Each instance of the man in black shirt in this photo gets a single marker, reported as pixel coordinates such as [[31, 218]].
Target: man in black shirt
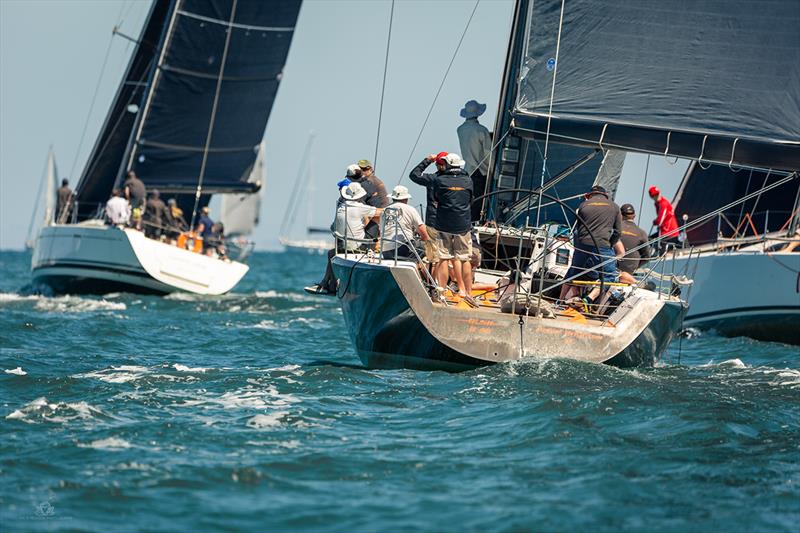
[[135, 191], [632, 236], [452, 195], [156, 215], [597, 229], [426, 180], [63, 201]]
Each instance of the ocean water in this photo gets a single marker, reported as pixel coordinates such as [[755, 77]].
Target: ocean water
[[252, 412]]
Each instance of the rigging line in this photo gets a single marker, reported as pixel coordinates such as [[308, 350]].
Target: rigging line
[[693, 223], [383, 86], [213, 116], [94, 97], [550, 110], [433, 104], [39, 196], [644, 184], [290, 214]]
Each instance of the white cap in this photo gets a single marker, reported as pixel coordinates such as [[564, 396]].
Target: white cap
[[454, 160], [354, 191], [400, 193]]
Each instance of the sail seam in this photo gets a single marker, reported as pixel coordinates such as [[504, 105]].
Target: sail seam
[[234, 24], [187, 148], [198, 74]]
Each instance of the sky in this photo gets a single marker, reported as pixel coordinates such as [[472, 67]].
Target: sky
[[60, 67]]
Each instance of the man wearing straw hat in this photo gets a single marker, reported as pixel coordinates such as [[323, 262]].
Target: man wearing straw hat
[[397, 235], [476, 143]]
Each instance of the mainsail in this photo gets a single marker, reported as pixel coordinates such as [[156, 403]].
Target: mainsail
[[240, 212], [196, 98], [710, 80]]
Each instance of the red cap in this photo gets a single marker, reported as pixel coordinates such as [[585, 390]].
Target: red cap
[[653, 191], [440, 158]]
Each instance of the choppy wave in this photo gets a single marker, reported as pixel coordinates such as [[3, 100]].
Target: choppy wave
[[18, 371], [111, 444], [40, 410]]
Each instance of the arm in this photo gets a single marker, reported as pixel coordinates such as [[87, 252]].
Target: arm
[[619, 249], [381, 192], [418, 177], [423, 233]]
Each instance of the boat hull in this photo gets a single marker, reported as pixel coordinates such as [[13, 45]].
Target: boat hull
[[98, 259], [387, 333], [745, 293]]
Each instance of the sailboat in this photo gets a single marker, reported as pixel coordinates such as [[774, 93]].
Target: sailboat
[[302, 201], [188, 118], [46, 196], [594, 76], [748, 283], [240, 213]]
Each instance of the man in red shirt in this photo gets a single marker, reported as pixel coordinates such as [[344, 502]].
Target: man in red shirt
[[665, 218]]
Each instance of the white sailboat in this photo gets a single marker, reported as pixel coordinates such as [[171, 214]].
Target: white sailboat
[[302, 200], [47, 187], [188, 119], [746, 282]]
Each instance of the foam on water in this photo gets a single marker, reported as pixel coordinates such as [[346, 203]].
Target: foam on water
[[267, 421], [40, 410], [110, 444], [16, 371]]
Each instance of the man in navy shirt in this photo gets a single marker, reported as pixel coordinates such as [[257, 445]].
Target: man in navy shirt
[[203, 229]]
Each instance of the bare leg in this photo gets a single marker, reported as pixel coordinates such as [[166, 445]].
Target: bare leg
[[466, 275], [442, 273], [459, 277], [624, 277]]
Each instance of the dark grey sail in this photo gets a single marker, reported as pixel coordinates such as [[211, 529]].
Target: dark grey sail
[[205, 91], [714, 80], [107, 155], [185, 116], [710, 80], [704, 190]]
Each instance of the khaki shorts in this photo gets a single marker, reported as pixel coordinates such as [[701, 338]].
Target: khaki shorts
[[455, 246], [431, 249]]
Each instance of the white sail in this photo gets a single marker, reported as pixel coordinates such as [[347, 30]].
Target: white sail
[[610, 171], [240, 212], [48, 186], [51, 186]]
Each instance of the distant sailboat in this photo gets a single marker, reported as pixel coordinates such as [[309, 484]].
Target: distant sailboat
[[301, 200], [47, 186], [188, 119]]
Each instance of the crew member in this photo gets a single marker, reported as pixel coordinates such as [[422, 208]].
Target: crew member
[[397, 237], [156, 215], [598, 218], [376, 193], [135, 191], [63, 201], [476, 143], [632, 237], [118, 210], [665, 218], [204, 229], [452, 192], [426, 180]]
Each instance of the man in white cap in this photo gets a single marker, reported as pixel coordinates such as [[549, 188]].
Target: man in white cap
[[353, 216], [476, 143], [398, 234]]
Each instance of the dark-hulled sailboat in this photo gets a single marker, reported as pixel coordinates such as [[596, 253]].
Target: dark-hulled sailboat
[[188, 119], [708, 81]]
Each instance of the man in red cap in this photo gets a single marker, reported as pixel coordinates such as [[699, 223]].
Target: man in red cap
[[426, 180], [665, 217]]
